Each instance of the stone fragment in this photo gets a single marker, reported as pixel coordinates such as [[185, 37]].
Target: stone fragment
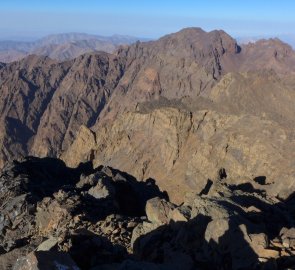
[[102, 190], [48, 244], [52, 216]]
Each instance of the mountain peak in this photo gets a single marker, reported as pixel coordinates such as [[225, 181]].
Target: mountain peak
[[199, 39], [272, 48], [271, 43]]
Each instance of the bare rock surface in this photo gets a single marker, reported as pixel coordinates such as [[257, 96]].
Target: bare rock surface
[[53, 218], [48, 207], [182, 149]]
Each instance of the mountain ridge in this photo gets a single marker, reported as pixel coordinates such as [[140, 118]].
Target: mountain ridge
[[63, 46], [202, 71]]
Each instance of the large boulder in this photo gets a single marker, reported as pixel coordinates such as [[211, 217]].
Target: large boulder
[[158, 210]]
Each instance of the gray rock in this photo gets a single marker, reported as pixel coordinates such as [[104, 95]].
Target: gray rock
[[158, 210], [103, 189], [48, 245]]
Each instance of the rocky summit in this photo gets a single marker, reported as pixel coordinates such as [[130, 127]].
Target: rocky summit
[[100, 218], [176, 153]]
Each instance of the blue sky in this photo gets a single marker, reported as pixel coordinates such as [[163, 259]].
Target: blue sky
[[145, 18]]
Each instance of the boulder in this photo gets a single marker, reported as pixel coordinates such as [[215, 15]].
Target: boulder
[[51, 217], [158, 210], [7, 260], [49, 244], [288, 237]]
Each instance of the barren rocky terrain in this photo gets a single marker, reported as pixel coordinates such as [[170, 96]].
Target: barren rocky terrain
[[155, 156]]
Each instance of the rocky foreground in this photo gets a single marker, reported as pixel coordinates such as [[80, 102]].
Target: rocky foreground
[[54, 217]]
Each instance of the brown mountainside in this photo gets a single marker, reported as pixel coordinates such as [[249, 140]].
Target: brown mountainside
[[177, 110], [78, 100]]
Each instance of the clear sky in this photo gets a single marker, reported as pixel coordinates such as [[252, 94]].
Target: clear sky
[[145, 18]]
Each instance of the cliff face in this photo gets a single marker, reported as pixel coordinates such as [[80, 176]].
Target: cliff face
[[43, 102], [186, 63], [78, 101], [26, 89], [182, 150]]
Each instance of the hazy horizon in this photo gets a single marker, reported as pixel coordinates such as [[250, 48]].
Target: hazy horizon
[[33, 19], [289, 39]]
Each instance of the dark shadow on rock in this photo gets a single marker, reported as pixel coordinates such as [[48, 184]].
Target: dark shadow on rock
[[41, 177], [184, 236], [45, 260], [187, 240], [17, 131], [56, 199], [206, 189], [89, 250], [273, 217], [261, 180], [32, 179], [222, 174], [247, 187], [190, 245], [132, 195], [206, 249]]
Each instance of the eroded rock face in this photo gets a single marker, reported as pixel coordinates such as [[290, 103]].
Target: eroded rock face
[[182, 150], [44, 103], [240, 121]]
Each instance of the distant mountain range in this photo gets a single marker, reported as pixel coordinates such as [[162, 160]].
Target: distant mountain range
[[62, 46], [290, 39]]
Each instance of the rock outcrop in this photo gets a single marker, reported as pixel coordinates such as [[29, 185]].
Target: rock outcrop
[[182, 149]]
